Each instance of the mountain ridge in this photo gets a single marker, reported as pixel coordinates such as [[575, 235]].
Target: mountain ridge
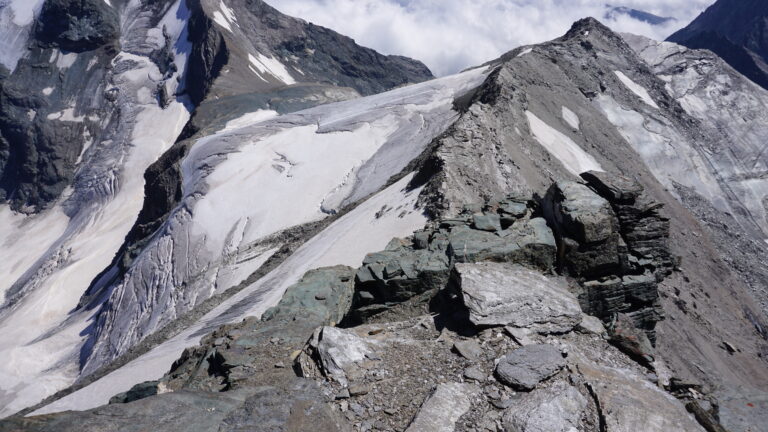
[[512, 162]]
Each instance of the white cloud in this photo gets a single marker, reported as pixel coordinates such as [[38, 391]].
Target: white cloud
[[450, 35]]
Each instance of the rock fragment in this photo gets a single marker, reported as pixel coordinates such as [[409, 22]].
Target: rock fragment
[[442, 409], [469, 349], [631, 340], [524, 368]]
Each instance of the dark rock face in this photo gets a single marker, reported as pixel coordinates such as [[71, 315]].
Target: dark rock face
[[737, 31], [39, 148], [77, 25], [138, 392], [363, 69], [614, 240], [209, 53], [328, 57]]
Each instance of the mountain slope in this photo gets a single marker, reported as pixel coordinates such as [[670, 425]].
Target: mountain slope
[[589, 101], [736, 31], [87, 106]]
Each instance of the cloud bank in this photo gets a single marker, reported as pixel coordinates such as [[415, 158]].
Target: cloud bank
[[451, 35]]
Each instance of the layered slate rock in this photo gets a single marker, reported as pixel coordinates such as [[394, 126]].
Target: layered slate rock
[[586, 228], [614, 240], [502, 231], [524, 368], [511, 295], [643, 227]]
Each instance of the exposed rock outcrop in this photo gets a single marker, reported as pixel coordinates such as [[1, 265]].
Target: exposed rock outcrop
[[512, 295], [78, 25], [506, 230], [612, 237]]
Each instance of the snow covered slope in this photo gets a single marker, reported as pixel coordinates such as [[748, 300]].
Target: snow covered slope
[[16, 19], [53, 256], [733, 109], [242, 188], [346, 241], [249, 200], [96, 95]]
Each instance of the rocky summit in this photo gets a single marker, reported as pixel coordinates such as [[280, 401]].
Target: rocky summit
[[217, 217]]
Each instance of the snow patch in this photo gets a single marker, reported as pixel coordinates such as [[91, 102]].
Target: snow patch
[[24, 11], [225, 16], [573, 157], [47, 91], [271, 66], [525, 51], [67, 115], [317, 165], [571, 118], [249, 119], [65, 61], [636, 88]]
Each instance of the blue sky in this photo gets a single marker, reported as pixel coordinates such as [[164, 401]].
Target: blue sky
[[450, 35]]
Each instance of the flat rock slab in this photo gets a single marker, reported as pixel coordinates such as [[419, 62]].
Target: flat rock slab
[[444, 407], [524, 368], [469, 349], [487, 222], [559, 408], [498, 294]]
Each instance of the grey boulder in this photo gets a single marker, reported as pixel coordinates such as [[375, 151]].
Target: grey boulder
[[498, 294], [559, 408], [524, 368]]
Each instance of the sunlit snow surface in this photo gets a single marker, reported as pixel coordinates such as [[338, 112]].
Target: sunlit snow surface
[[64, 248], [571, 118], [346, 241], [636, 88], [573, 157], [242, 187]]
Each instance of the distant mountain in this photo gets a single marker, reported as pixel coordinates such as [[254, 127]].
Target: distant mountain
[[616, 11], [737, 31]]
